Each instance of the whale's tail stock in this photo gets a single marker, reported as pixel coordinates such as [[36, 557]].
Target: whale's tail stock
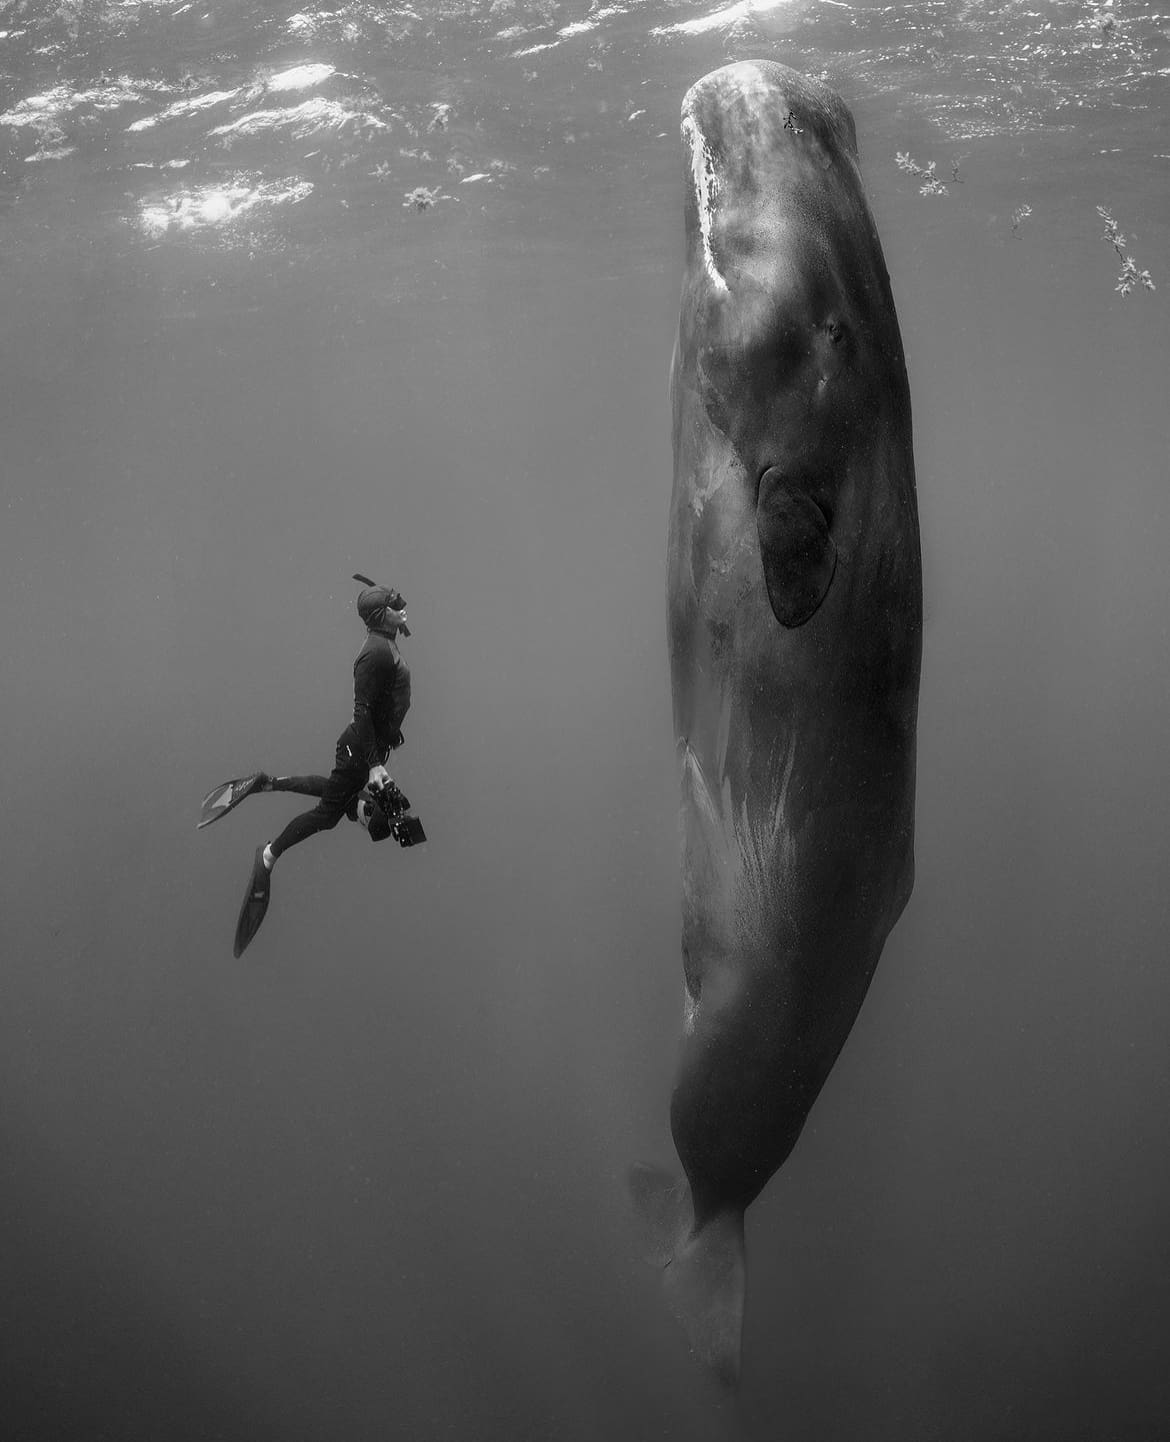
[[703, 1267]]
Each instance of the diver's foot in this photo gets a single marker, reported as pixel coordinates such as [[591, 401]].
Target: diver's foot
[[255, 905]]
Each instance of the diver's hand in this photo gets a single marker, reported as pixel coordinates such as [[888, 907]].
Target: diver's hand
[[379, 776]]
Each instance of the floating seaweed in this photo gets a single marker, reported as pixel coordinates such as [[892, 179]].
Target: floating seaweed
[[931, 185], [1130, 275], [420, 198]]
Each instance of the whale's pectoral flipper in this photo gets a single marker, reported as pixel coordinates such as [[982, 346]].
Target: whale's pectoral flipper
[[797, 549], [704, 1267]]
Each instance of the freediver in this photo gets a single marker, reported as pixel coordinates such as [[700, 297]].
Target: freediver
[[381, 699]]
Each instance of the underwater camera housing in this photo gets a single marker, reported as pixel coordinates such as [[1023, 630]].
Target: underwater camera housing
[[389, 816], [408, 831]]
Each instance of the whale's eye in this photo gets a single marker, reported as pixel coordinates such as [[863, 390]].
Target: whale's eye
[[835, 331]]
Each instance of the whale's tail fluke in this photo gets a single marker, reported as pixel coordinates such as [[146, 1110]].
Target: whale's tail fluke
[[704, 1267]]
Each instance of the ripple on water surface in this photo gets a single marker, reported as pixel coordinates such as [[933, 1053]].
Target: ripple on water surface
[[361, 104]]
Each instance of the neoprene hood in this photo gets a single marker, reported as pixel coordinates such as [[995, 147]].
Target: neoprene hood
[[374, 601]]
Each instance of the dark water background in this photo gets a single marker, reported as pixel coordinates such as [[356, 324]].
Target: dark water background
[[367, 1183]]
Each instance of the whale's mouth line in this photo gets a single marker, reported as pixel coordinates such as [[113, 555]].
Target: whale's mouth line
[[706, 183]]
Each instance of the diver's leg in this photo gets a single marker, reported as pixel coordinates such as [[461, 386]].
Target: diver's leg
[[301, 785], [335, 792], [346, 780], [339, 792]]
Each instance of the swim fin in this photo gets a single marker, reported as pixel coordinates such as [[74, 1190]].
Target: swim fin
[[255, 905], [227, 796]]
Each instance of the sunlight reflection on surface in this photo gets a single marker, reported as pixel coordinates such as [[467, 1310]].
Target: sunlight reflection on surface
[[188, 210]]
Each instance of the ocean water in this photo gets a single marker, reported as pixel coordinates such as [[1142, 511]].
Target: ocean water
[[367, 1183]]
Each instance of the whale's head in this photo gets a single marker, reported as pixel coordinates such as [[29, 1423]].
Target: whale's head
[[788, 341]]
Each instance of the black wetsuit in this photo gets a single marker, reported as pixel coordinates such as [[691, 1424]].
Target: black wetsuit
[[381, 699]]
